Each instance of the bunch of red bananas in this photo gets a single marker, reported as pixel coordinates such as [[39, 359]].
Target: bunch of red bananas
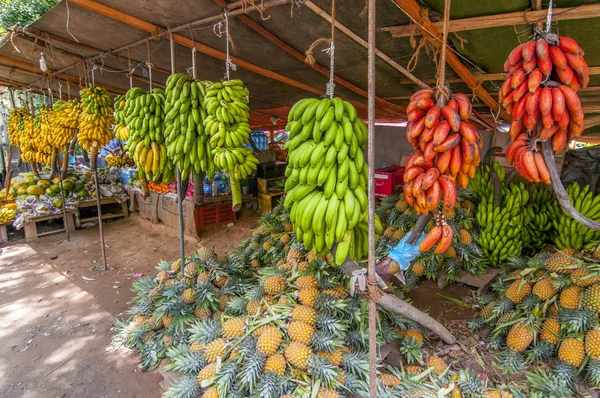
[[447, 149], [540, 95], [441, 235]]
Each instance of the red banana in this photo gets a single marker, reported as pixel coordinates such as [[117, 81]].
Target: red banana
[[518, 78], [441, 132], [530, 65], [451, 141], [445, 240], [464, 106], [519, 109], [516, 127], [570, 46], [415, 128], [559, 140], [548, 132], [425, 104], [408, 194], [558, 103], [418, 185], [548, 120], [532, 101], [452, 117], [431, 239], [542, 168], [468, 133], [433, 196], [427, 134], [545, 66], [443, 161], [453, 104], [519, 92], [516, 55], [415, 115], [541, 49], [448, 192], [528, 51], [455, 161], [558, 57], [529, 165], [534, 80], [432, 116], [429, 177], [571, 99], [429, 151], [566, 75], [506, 86], [424, 93], [412, 173], [546, 100], [564, 120]]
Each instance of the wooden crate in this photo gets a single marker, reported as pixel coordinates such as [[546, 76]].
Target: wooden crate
[[106, 215], [30, 226], [265, 185], [266, 202]]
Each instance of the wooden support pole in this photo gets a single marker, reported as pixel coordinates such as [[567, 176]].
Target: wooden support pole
[[508, 19], [415, 12]]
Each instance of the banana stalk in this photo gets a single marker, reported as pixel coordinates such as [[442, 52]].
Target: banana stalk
[[236, 194]]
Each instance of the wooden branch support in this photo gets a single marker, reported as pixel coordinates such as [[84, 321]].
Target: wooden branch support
[[559, 189]]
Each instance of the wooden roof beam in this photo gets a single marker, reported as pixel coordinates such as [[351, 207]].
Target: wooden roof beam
[[207, 50], [30, 67], [301, 57], [508, 19], [414, 11]]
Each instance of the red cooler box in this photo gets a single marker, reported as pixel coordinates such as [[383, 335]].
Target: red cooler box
[[387, 179]]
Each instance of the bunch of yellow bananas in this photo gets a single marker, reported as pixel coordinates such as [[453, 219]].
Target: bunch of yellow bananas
[[121, 129], [64, 122], [6, 215], [16, 125], [120, 160], [96, 118], [34, 145], [145, 120], [185, 137]]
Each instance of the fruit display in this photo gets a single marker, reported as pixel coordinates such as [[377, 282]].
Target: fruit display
[[228, 127], [95, 120], [544, 310], [327, 177], [16, 125], [7, 213], [446, 152], [146, 145], [187, 143], [119, 160], [34, 144], [540, 95], [571, 234], [464, 254], [121, 129], [64, 123], [540, 211], [159, 188]]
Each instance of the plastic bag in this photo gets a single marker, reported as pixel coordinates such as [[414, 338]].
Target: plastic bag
[[404, 253]]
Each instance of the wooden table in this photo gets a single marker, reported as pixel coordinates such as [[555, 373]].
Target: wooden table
[[105, 215]]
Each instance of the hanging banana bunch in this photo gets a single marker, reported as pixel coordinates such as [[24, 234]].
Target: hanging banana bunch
[[146, 146], [16, 125], [121, 128], [187, 144], [96, 120], [63, 127]]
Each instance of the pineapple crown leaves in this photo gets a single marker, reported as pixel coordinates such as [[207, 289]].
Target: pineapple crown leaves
[[511, 362], [186, 387], [205, 331], [142, 286], [541, 350], [577, 321], [206, 296], [332, 325], [251, 370], [326, 304], [225, 378], [143, 307], [470, 384], [548, 384], [325, 341], [356, 362], [184, 361], [151, 354], [593, 371], [486, 298], [163, 265], [236, 306], [411, 349], [256, 293], [270, 385], [322, 371]]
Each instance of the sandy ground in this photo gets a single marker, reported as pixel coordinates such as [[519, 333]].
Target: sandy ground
[[57, 306]]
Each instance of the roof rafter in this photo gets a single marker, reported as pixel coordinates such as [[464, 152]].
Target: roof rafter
[[500, 20], [430, 32]]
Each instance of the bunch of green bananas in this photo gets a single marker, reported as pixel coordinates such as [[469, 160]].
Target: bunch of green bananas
[[481, 185], [327, 177], [187, 143], [501, 226], [571, 233], [121, 129], [538, 215], [145, 120], [96, 118], [228, 127]]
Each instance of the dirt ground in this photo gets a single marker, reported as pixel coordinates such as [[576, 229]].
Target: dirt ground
[[57, 306]]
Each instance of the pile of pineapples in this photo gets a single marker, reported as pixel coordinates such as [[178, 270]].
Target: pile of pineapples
[[544, 313], [464, 253]]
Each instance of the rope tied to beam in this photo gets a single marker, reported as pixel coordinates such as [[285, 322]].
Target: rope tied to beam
[[441, 83], [260, 8], [219, 30], [310, 59], [130, 71], [368, 286], [149, 63]]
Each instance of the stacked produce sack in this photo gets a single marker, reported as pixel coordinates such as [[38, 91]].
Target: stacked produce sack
[[446, 151], [95, 120], [544, 310], [144, 119], [121, 129], [187, 142], [228, 127], [327, 177], [540, 94]]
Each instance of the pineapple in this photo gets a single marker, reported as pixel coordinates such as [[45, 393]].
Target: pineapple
[[207, 372], [492, 394], [415, 334], [254, 307], [223, 300], [167, 341], [188, 296], [282, 265], [306, 281], [255, 263], [519, 337], [307, 296], [283, 300], [487, 312], [275, 363], [162, 277], [337, 292], [269, 340], [234, 327], [285, 238], [592, 343], [468, 205], [328, 393], [401, 205], [591, 298], [418, 268], [267, 245], [398, 234], [221, 281], [562, 262], [335, 358], [287, 226], [550, 330], [301, 332], [304, 313], [176, 266], [569, 297], [205, 254], [167, 320], [389, 232], [438, 364], [202, 313], [155, 323], [389, 380], [215, 349], [465, 237], [203, 277], [294, 256], [544, 288], [139, 320], [582, 277], [190, 270], [571, 351], [414, 369], [196, 347], [311, 256], [212, 392], [518, 290], [274, 284], [297, 355], [303, 266]]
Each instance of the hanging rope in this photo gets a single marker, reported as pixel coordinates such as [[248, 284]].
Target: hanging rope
[[130, 73], [549, 17], [441, 83], [331, 84], [149, 63], [218, 29]]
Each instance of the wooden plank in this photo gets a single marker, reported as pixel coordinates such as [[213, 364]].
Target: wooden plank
[[301, 57], [414, 11], [499, 20], [481, 77]]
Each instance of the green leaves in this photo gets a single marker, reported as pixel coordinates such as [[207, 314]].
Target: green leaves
[[22, 12]]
